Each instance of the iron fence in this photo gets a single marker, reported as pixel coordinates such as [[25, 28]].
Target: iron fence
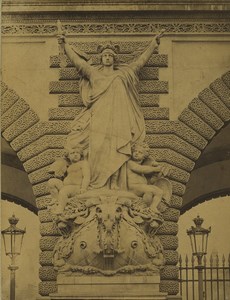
[[216, 278]]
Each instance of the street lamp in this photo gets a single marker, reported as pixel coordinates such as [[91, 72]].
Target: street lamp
[[12, 238], [199, 242]]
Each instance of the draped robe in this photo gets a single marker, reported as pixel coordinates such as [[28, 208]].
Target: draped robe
[[111, 122]]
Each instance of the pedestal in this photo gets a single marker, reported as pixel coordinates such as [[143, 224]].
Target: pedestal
[[123, 287]]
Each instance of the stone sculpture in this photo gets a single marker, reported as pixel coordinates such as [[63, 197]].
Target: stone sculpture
[[108, 195]]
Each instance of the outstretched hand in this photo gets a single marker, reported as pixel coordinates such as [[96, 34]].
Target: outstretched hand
[[159, 36]]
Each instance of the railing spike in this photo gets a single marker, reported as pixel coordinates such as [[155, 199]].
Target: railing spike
[[192, 260], [180, 259], [217, 260], [205, 260]]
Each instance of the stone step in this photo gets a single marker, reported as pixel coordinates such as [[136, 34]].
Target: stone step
[[69, 113], [146, 73], [65, 100], [156, 60], [144, 86]]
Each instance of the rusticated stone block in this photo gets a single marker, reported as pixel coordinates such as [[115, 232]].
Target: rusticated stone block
[[48, 229], [47, 273], [169, 272], [169, 242], [40, 189], [226, 79], [3, 87], [173, 158], [171, 214], [69, 113], [66, 86], [196, 123], [40, 175], [206, 114], [45, 216], [146, 73], [175, 143], [189, 135], [178, 174], [43, 201], [159, 126], [216, 105], [45, 258], [64, 113], [40, 145], [176, 201], [149, 100], [42, 160], [178, 188], [156, 60], [171, 257], [47, 287], [28, 119], [13, 113], [47, 243], [169, 286], [221, 90], [168, 227], [8, 99], [153, 86]]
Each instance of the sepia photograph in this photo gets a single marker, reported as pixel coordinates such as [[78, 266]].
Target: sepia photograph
[[115, 150]]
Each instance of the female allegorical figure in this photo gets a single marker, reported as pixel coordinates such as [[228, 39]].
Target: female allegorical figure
[[112, 120]]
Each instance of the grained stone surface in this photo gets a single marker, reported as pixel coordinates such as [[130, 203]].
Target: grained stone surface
[[168, 227], [45, 258], [159, 126], [169, 272], [47, 287], [226, 79], [171, 257], [175, 143], [221, 90], [40, 189], [171, 214], [40, 175], [69, 113], [176, 201], [45, 216], [72, 73], [47, 243], [43, 159], [189, 135], [206, 114], [43, 201], [72, 86], [40, 145], [173, 158], [215, 103], [47, 273], [177, 174], [169, 286], [28, 119], [3, 87], [178, 188], [71, 100], [196, 123], [13, 113], [169, 242], [156, 60], [9, 97], [48, 228]]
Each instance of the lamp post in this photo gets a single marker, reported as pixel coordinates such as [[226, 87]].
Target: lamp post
[[12, 238], [199, 242]]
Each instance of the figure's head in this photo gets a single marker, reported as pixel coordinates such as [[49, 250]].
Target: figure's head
[[108, 54], [75, 154], [140, 151]]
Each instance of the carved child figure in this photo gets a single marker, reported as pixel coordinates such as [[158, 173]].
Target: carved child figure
[[137, 181], [76, 181]]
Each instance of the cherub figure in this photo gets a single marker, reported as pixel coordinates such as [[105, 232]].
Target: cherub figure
[[137, 182], [76, 181]]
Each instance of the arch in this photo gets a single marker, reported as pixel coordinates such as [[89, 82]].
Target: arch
[[208, 116]]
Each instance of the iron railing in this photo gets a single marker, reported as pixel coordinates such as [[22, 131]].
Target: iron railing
[[216, 278]]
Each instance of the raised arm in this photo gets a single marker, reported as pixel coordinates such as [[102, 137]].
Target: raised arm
[[79, 62], [144, 57]]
